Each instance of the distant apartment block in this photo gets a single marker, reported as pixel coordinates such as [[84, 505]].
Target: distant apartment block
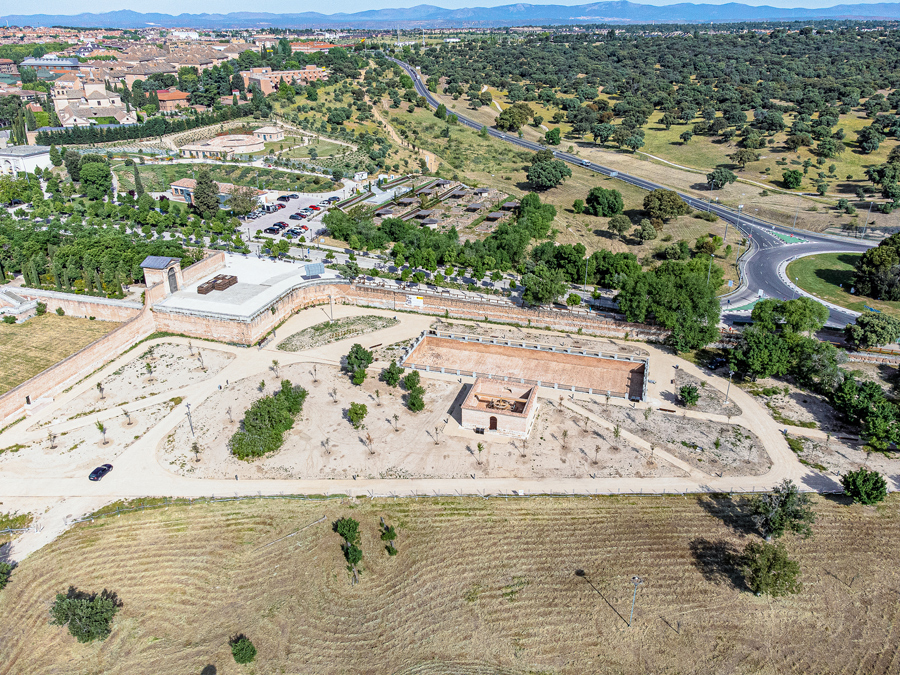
[[171, 100], [268, 79]]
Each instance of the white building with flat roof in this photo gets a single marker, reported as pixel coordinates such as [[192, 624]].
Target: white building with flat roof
[[15, 159]]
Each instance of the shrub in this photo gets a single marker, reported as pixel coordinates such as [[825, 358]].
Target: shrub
[[5, 573], [9, 319], [864, 486], [358, 359], [412, 380], [60, 311], [392, 374], [88, 616], [242, 649], [785, 508], [41, 308], [573, 300], [415, 400], [359, 376], [689, 394], [706, 215], [768, 569], [348, 528], [262, 429], [357, 413]]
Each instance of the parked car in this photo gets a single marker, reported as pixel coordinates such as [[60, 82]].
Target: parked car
[[100, 471], [272, 230], [295, 231], [296, 216], [278, 207], [314, 207], [283, 198], [334, 199], [292, 196]]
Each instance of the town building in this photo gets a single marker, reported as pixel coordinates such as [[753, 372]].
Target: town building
[[182, 190], [16, 159], [8, 67], [269, 134], [498, 407], [172, 99], [90, 102], [268, 80], [47, 66], [224, 147]]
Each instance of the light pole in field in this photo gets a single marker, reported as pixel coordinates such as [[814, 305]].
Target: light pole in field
[[190, 421], [728, 389], [637, 581]]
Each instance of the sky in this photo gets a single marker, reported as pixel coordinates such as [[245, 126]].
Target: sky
[[347, 6]]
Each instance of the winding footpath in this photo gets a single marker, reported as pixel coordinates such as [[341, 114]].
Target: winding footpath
[[60, 492]]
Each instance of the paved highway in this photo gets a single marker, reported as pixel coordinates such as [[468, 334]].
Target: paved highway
[[767, 251]]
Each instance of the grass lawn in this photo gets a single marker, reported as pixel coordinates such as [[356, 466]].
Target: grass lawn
[[482, 587], [31, 347], [156, 178], [293, 150], [824, 275]]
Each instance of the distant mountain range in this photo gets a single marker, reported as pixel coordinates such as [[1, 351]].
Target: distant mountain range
[[430, 16]]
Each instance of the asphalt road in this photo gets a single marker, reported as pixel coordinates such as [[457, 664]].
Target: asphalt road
[[767, 251]]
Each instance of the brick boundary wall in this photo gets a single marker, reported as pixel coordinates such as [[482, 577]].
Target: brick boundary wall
[[58, 377], [212, 263], [103, 309]]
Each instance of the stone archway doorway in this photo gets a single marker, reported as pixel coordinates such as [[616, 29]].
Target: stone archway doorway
[[492, 424], [173, 281]]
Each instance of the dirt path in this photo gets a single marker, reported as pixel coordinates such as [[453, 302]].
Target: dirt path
[[431, 159], [139, 471]]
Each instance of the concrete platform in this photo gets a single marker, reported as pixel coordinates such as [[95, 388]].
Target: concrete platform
[[260, 282]]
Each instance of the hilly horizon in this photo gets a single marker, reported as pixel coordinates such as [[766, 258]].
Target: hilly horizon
[[425, 16]]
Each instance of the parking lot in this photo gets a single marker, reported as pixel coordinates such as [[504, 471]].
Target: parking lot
[[250, 226]]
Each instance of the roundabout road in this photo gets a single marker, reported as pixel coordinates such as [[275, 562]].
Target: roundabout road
[[768, 251]]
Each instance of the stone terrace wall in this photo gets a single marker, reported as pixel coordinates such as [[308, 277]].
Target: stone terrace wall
[[103, 309]]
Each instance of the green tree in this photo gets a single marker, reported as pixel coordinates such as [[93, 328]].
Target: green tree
[[543, 285], [242, 649], [392, 374], [138, 185], [603, 202], [720, 177], [242, 200], [689, 394], [743, 156], [646, 231], [553, 136], [88, 616], [55, 157], [358, 359], [783, 509], [769, 571], [357, 413], [686, 136], [620, 224], [546, 175], [578, 206], [873, 330], [864, 486], [206, 194], [792, 178], [6, 570], [96, 179], [664, 204], [573, 300]]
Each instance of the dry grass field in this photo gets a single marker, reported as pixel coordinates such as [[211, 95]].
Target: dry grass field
[[478, 587], [28, 348]]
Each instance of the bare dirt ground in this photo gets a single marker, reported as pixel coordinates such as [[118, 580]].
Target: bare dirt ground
[[837, 456], [323, 444], [793, 406], [711, 399], [479, 587], [171, 366], [739, 451]]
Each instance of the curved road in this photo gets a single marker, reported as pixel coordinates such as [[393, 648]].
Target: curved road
[[768, 250]]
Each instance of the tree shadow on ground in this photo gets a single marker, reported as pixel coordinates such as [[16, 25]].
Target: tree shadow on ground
[[823, 484], [209, 670], [719, 562], [734, 512]]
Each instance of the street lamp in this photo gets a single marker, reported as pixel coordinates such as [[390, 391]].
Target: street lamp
[[190, 421], [637, 581], [738, 225], [709, 271], [728, 389]]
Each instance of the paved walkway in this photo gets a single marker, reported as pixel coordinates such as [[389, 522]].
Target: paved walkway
[[138, 473]]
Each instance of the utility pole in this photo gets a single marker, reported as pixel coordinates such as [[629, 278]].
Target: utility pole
[[709, 271], [190, 421], [728, 390], [637, 581], [737, 226]]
